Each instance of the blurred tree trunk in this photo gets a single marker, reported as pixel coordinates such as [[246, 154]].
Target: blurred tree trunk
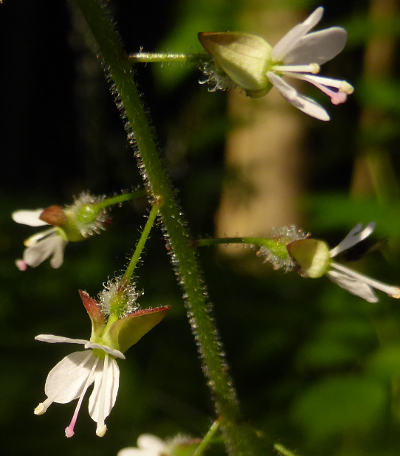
[[373, 172], [263, 150]]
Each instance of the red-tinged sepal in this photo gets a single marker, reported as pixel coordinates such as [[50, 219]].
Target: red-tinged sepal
[[95, 313], [129, 330]]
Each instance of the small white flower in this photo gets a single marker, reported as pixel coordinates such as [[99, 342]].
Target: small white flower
[[252, 64], [147, 445], [353, 281], [314, 259], [299, 55], [45, 244], [74, 374]]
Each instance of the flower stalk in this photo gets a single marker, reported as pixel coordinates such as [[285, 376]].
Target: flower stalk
[[139, 132], [165, 57], [207, 438]]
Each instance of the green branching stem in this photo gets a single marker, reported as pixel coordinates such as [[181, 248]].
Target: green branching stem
[[120, 72], [275, 245], [118, 199], [140, 245], [207, 438], [160, 57]]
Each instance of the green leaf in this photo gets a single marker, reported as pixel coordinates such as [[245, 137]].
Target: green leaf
[[129, 330]]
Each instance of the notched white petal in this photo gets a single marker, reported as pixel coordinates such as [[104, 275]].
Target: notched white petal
[[317, 47], [52, 339], [52, 246], [105, 391], [67, 379], [353, 285], [304, 104], [286, 44], [356, 235], [27, 217]]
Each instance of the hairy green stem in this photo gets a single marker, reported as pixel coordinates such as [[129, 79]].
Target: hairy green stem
[[275, 245], [160, 57], [183, 255], [140, 245], [118, 199]]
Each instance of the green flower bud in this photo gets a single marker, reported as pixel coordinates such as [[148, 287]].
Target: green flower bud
[[243, 57]]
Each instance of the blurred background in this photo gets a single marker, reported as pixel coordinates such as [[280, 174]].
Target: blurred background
[[316, 368]]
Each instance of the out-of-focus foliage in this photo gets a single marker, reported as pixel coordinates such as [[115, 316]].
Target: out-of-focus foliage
[[316, 368]]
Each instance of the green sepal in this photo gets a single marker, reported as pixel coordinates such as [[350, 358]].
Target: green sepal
[[129, 330], [95, 314], [244, 58], [70, 227], [311, 255]]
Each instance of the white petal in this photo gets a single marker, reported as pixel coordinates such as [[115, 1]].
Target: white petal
[[52, 246], [56, 339], [356, 235], [130, 451], [37, 237], [109, 350], [286, 44], [305, 104], [151, 442], [352, 285], [105, 391], [317, 47], [67, 379], [30, 218]]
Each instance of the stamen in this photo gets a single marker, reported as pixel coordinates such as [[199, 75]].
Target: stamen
[[69, 430], [42, 407], [21, 265], [345, 87], [323, 84], [313, 68], [390, 290]]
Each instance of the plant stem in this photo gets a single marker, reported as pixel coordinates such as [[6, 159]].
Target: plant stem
[[283, 450], [140, 245], [120, 198], [275, 245], [207, 439], [178, 241], [155, 57]]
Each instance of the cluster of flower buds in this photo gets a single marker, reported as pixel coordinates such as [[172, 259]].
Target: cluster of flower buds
[[255, 66]]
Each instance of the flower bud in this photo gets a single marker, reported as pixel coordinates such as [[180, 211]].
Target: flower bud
[[243, 57], [311, 256]]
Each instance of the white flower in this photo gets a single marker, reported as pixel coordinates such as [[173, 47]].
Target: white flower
[[74, 374], [299, 55], [147, 445], [45, 244], [314, 259], [353, 281], [251, 63]]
